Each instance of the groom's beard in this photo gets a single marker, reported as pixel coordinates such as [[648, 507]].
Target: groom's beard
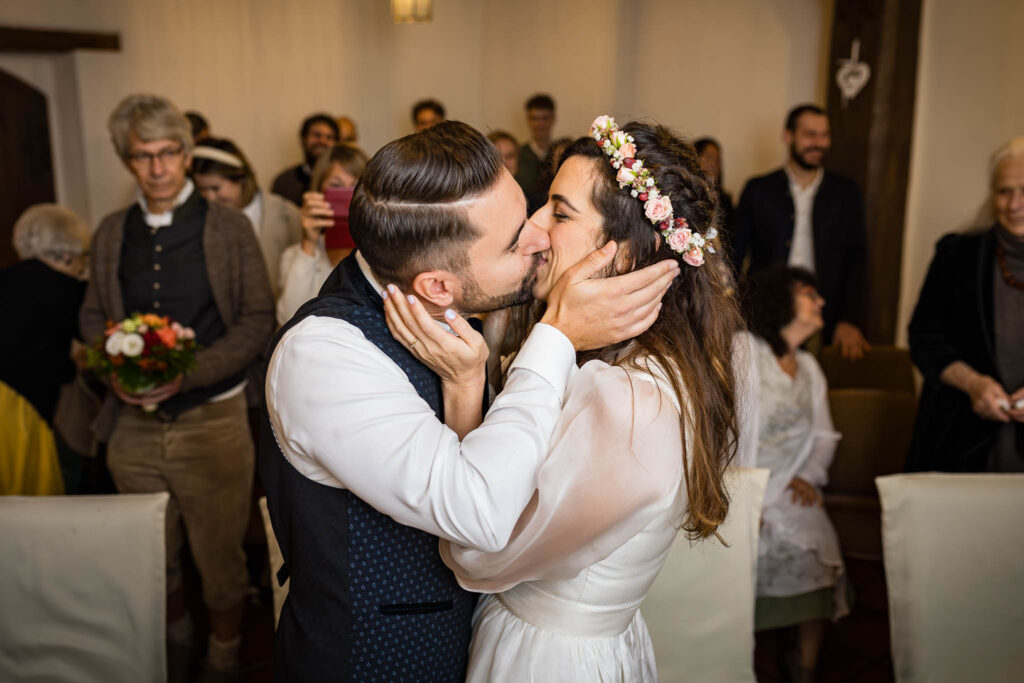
[[475, 301]]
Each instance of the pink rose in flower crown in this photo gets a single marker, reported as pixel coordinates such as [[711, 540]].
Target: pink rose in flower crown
[[695, 257], [658, 209], [625, 176], [678, 240], [628, 150], [601, 123], [618, 139]]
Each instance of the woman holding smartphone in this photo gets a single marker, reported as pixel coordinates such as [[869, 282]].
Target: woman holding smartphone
[[305, 265]]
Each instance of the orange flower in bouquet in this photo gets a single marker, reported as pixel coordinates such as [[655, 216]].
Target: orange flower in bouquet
[[144, 351]]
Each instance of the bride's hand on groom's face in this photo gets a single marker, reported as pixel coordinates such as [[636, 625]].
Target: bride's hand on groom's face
[[458, 358], [594, 312]]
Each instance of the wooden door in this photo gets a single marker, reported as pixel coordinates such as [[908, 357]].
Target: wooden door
[[26, 163]]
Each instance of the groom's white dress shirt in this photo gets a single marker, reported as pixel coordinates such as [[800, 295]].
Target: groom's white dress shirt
[[345, 415]]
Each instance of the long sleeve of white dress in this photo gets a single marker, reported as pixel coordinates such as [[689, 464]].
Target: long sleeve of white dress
[[615, 464]]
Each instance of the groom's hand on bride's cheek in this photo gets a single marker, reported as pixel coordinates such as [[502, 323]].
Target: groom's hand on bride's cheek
[[594, 312]]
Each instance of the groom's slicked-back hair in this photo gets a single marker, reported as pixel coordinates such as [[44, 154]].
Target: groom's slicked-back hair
[[409, 210]]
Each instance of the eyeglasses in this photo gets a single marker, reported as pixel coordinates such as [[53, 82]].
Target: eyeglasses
[[144, 159]]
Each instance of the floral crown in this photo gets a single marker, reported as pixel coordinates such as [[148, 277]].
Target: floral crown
[[621, 150]]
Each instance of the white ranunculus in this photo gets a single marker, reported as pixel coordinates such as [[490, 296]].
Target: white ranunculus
[[113, 345], [132, 345]]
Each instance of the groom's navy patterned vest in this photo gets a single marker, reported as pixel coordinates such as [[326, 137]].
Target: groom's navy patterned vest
[[370, 599]]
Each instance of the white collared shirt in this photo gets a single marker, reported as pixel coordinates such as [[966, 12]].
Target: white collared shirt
[[346, 415], [162, 220], [254, 212], [801, 253]]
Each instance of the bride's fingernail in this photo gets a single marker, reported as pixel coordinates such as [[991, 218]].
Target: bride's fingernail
[[412, 300], [449, 314], [384, 294], [392, 289]]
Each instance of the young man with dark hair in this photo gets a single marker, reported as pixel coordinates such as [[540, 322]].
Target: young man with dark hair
[[362, 474], [540, 117], [319, 133], [811, 218], [427, 113]]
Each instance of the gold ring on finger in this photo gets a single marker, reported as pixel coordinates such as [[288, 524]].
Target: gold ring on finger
[[414, 343]]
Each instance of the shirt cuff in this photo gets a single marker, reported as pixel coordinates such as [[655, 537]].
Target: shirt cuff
[[550, 354]]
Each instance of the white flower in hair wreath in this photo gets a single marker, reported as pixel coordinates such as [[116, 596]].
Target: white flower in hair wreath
[[631, 172]]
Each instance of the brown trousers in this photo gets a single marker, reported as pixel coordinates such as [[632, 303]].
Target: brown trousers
[[205, 460]]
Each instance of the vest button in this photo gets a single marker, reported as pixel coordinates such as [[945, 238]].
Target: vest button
[[156, 266], [156, 285], [159, 248], [156, 304]]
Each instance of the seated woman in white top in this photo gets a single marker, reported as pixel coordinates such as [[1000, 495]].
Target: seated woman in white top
[[222, 174], [800, 573], [307, 263], [646, 431]]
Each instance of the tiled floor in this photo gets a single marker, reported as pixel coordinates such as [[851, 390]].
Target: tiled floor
[[856, 649]]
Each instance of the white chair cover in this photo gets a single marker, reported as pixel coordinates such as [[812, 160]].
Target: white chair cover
[[83, 589], [954, 564], [276, 561], [700, 610]]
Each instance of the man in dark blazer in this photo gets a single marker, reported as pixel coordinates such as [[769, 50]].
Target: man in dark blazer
[[319, 133], [803, 215]]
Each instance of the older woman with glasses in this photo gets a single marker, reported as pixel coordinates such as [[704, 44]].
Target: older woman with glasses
[[173, 253], [967, 338]]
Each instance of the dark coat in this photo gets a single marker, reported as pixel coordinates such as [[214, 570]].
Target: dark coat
[[763, 227], [953, 321]]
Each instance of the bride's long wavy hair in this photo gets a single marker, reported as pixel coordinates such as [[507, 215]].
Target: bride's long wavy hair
[[692, 338]]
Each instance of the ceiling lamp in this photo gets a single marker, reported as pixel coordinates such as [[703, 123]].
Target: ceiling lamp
[[412, 11]]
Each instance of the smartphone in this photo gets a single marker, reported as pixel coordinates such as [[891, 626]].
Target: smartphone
[[339, 237]]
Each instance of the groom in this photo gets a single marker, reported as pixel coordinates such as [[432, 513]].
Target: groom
[[362, 476]]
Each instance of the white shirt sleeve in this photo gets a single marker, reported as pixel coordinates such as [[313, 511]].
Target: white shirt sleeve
[[300, 276], [345, 415]]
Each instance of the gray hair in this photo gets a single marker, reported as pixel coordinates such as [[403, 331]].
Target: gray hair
[[50, 231], [1012, 148], [150, 117]]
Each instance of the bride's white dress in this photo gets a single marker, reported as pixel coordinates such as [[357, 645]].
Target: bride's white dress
[[610, 499]]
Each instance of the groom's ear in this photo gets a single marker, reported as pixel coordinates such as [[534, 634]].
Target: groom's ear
[[439, 287]]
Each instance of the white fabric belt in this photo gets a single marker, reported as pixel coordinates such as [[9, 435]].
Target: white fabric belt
[[550, 613]]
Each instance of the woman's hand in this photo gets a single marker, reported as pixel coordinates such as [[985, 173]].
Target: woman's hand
[[153, 397], [317, 216], [458, 358], [804, 493], [1017, 405], [989, 399]]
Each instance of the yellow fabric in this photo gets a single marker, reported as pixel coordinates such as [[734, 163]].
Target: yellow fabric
[[28, 451]]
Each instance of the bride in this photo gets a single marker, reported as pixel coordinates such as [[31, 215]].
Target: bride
[[646, 431]]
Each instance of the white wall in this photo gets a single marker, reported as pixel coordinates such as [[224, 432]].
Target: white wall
[[729, 68], [969, 101]]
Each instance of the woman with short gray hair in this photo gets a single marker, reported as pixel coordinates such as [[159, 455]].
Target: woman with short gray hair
[[39, 298]]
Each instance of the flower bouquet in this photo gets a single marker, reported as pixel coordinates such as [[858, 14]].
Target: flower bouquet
[[142, 352]]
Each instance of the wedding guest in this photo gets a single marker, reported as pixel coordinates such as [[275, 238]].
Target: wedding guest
[[200, 127], [173, 253], [710, 154], [39, 300], [803, 215], [508, 147], [224, 175], [306, 264], [347, 130], [800, 573], [540, 117], [967, 338], [318, 133], [427, 113]]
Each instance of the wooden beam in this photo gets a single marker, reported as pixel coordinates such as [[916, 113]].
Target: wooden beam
[[14, 39], [871, 136]]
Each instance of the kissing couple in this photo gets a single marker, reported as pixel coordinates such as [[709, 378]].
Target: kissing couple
[[399, 493]]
